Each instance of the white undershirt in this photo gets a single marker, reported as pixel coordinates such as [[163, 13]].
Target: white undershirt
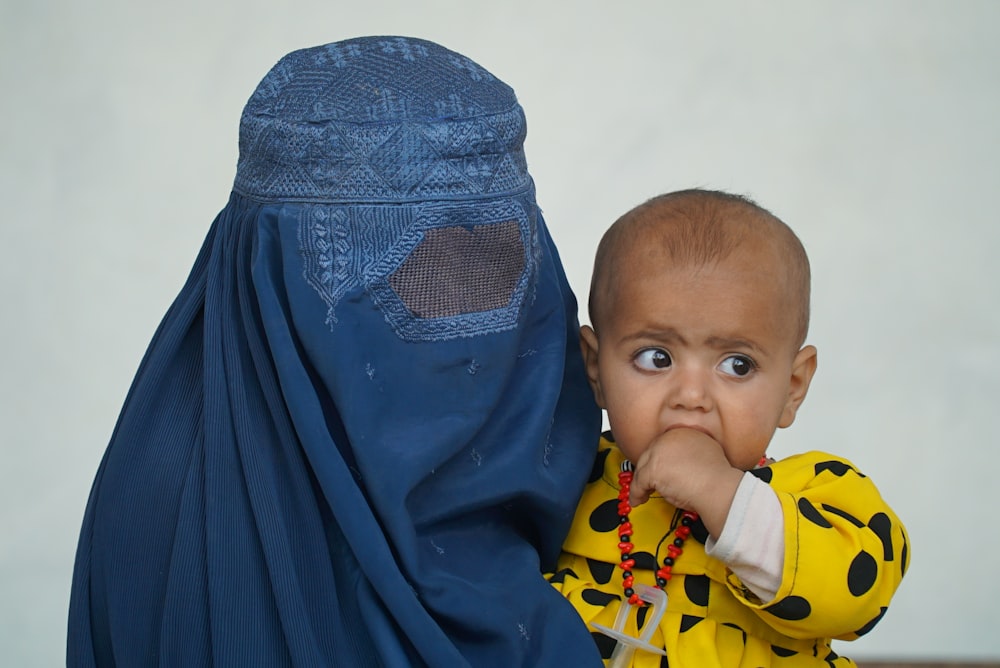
[[752, 543]]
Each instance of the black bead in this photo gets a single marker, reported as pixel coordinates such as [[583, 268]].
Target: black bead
[[686, 521], [624, 539], [660, 582], [626, 574], [668, 561], [626, 555], [628, 592], [679, 542]]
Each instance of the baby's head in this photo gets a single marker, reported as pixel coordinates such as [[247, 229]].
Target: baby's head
[[699, 308], [695, 229]]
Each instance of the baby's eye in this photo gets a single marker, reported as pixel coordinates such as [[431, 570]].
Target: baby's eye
[[737, 365], [653, 359]]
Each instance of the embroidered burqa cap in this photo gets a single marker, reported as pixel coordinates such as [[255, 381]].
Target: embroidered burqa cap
[[359, 433]]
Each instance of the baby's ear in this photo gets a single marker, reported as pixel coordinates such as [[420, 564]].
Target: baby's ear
[[588, 346], [803, 368]]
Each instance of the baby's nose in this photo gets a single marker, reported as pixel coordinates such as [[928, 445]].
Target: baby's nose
[[690, 389]]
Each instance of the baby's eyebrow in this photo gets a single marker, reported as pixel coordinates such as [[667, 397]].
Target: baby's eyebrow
[[665, 335], [722, 343]]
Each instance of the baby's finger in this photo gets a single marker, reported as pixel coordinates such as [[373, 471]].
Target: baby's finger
[[639, 492], [637, 498]]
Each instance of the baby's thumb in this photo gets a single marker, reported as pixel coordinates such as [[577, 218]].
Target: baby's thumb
[[638, 494]]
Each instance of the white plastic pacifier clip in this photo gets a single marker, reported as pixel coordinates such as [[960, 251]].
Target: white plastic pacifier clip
[[627, 645]]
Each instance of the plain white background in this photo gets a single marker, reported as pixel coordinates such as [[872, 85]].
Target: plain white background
[[873, 129]]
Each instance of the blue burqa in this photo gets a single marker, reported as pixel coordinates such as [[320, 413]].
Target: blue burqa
[[358, 435]]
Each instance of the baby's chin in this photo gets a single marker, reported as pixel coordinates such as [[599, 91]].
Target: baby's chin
[[631, 453]]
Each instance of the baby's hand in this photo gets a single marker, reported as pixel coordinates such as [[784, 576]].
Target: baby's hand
[[690, 470]]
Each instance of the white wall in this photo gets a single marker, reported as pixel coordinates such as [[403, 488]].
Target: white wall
[[872, 128]]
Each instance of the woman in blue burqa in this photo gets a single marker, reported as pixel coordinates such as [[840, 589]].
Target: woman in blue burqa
[[360, 432]]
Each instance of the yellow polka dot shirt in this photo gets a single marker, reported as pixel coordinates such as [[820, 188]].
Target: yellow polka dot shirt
[[845, 555]]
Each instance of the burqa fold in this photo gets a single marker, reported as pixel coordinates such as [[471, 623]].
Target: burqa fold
[[361, 429]]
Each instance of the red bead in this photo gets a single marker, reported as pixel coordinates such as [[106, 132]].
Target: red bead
[[674, 550]]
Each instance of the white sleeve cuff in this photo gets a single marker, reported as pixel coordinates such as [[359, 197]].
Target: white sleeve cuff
[[752, 543]]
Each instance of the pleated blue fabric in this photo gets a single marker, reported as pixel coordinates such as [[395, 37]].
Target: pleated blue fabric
[[359, 433]]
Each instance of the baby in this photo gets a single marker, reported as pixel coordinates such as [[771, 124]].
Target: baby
[[699, 307]]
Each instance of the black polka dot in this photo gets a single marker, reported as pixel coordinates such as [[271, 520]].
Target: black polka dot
[[604, 518], [598, 598], [836, 468], [640, 616], [809, 512], [870, 625], [792, 608], [598, 470], [862, 574], [882, 526], [831, 657], [688, 622], [608, 436], [645, 561], [605, 644], [904, 557], [664, 662], [765, 473], [696, 589], [781, 651], [560, 576], [601, 570], [843, 513]]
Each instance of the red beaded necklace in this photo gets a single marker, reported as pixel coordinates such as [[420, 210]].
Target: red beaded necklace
[[674, 549]]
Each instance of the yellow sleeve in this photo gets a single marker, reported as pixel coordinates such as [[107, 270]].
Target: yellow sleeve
[[846, 551]]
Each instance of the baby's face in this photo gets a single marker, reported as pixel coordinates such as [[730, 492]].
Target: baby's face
[[708, 347]]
